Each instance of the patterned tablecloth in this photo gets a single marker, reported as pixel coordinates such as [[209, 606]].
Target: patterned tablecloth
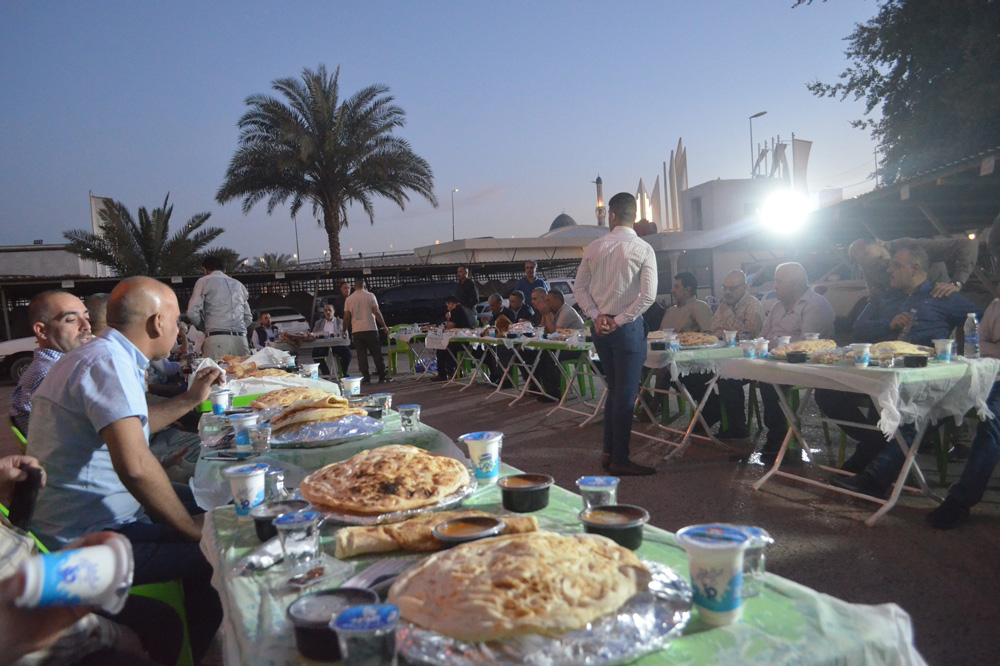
[[683, 362]]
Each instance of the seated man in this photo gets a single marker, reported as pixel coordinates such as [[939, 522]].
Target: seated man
[[799, 310], [556, 315], [497, 310], [333, 327], [457, 316], [954, 256], [61, 323], [91, 426], [522, 312], [263, 332], [538, 304]]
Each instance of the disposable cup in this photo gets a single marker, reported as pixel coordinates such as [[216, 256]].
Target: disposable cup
[[310, 370], [241, 428], [943, 349], [715, 555], [484, 450], [730, 338], [862, 354], [247, 483], [409, 417], [221, 399], [749, 349], [811, 336], [673, 342], [92, 576], [260, 438], [383, 401], [299, 534], [760, 347], [784, 340], [352, 385], [598, 490]]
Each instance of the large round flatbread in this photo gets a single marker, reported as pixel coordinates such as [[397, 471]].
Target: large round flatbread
[[694, 339], [292, 394], [383, 480], [534, 583], [808, 346]]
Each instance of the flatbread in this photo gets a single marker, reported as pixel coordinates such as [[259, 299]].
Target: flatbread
[[808, 346], [694, 339], [534, 583], [414, 535], [287, 396], [270, 372], [386, 479], [898, 348]]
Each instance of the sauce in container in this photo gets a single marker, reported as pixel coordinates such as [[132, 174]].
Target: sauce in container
[[470, 528], [622, 523], [313, 614], [524, 493]]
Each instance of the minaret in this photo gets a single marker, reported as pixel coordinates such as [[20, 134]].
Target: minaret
[[602, 212]]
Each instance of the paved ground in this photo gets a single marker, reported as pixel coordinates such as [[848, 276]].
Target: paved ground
[[947, 581]]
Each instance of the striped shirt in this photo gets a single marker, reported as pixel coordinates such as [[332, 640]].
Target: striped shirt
[[20, 401], [617, 276]]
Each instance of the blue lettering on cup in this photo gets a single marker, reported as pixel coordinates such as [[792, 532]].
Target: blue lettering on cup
[[709, 594]]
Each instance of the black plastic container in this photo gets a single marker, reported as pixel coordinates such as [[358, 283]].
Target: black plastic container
[[622, 523], [263, 514], [524, 493], [658, 345], [915, 361], [312, 613], [796, 357], [470, 528], [512, 336]]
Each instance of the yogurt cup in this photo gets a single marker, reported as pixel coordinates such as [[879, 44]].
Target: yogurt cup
[[760, 347], [241, 428], [730, 337], [352, 385], [484, 450], [749, 349], [715, 554], [862, 354], [368, 634], [673, 342], [92, 576], [784, 340], [943, 349], [222, 399], [247, 483], [811, 336], [310, 370]]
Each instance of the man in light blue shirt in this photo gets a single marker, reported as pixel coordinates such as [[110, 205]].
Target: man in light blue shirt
[[90, 425]]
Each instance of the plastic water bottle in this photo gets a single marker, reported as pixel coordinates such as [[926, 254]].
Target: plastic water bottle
[[905, 335], [971, 336]]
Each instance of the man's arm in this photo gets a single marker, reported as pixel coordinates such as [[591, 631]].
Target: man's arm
[[871, 326], [380, 322], [247, 313], [647, 293], [163, 414], [143, 476], [989, 331], [818, 317], [581, 289], [196, 304], [703, 317]]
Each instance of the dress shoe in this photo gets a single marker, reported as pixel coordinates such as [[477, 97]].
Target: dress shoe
[[630, 469], [366, 380], [734, 436], [949, 515], [384, 380], [606, 462], [858, 483], [958, 453]]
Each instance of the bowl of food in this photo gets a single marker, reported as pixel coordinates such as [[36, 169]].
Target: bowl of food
[[622, 523], [468, 528], [914, 361], [311, 613], [524, 493]]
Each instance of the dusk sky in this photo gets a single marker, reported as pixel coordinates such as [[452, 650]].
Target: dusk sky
[[519, 105]]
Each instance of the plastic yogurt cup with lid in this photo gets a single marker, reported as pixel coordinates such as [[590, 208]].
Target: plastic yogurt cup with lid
[[247, 483], [598, 490], [312, 615], [368, 634], [484, 450], [715, 554]]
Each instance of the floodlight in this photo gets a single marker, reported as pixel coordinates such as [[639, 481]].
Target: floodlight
[[786, 211]]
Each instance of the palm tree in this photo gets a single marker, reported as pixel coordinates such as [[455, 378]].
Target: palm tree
[[276, 262], [314, 148], [146, 247]]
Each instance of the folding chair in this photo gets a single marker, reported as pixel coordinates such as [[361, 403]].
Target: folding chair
[[22, 441]]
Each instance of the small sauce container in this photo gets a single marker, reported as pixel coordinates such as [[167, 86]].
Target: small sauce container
[[796, 357], [373, 412], [312, 616], [915, 361], [264, 514], [470, 528], [622, 523], [367, 634], [658, 345], [524, 493], [512, 336]]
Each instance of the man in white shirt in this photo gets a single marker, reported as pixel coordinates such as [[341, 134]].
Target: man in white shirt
[[363, 320], [615, 284], [332, 327], [219, 306]]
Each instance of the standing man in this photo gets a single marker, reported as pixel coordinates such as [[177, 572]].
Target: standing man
[[688, 313], [219, 306], [614, 285], [341, 298], [529, 282], [332, 327], [61, 323], [467, 291], [363, 321]]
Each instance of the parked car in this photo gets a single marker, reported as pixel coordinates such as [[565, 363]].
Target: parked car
[[284, 318], [16, 355], [414, 302]]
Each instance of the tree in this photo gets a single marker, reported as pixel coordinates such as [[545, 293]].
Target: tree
[[146, 247], [276, 262], [314, 148], [933, 68]]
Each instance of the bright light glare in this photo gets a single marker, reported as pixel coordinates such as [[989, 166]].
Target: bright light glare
[[972, 236], [786, 211]]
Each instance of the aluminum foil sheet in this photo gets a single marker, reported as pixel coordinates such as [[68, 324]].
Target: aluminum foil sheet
[[646, 623], [713, 345], [328, 433], [452, 501]]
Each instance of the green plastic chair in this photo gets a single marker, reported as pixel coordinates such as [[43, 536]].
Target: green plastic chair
[[22, 441], [399, 347]]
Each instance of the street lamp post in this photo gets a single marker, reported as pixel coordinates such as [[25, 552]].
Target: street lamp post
[[453, 214], [753, 157]]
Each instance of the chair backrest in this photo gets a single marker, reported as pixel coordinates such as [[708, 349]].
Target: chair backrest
[[22, 441]]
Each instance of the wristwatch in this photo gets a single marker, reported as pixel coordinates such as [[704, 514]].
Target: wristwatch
[[957, 284]]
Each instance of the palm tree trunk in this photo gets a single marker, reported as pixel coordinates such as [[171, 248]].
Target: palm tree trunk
[[331, 222]]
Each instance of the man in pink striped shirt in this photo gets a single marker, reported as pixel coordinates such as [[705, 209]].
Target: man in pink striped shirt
[[615, 284]]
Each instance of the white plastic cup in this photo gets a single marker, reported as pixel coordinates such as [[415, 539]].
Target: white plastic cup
[[673, 342], [760, 347], [92, 576], [784, 340], [862, 354], [598, 490], [409, 417], [715, 555], [352, 385], [241, 424], [811, 336], [248, 486], [484, 450], [310, 370], [730, 338], [221, 399], [943, 349], [383, 401], [749, 349]]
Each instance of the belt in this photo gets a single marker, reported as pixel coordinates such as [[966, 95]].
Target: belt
[[211, 333]]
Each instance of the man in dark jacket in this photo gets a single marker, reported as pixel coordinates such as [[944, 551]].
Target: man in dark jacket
[[467, 292], [457, 317], [522, 311]]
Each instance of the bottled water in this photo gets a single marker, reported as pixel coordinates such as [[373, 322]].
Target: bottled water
[[971, 336], [905, 335]]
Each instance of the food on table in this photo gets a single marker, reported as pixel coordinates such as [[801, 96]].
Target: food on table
[[502, 324], [808, 346], [829, 356], [241, 370], [330, 408], [657, 335], [566, 331], [534, 583], [269, 372], [386, 479], [898, 349], [692, 339], [229, 359], [415, 534], [287, 396]]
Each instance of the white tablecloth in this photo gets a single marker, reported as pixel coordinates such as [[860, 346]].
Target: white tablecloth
[[683, 362]]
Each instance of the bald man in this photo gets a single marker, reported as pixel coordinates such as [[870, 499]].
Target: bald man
[[91, 426], [61, 323]]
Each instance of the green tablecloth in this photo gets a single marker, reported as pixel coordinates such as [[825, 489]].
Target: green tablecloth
[[787, 624]]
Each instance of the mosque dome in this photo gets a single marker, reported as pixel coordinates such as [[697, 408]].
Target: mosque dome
[[563, 220]]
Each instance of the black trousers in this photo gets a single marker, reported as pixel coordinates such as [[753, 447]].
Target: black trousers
[[859, 408], [548, 372], [367, 342]]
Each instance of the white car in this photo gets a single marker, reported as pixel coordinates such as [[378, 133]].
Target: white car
[[16, 356], [284, 318]]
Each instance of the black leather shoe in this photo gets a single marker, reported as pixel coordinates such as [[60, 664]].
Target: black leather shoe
[[384, 380], [630, 469], [606, 462], [366, 380], [734, 436], [858, 484], [949, 515]]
